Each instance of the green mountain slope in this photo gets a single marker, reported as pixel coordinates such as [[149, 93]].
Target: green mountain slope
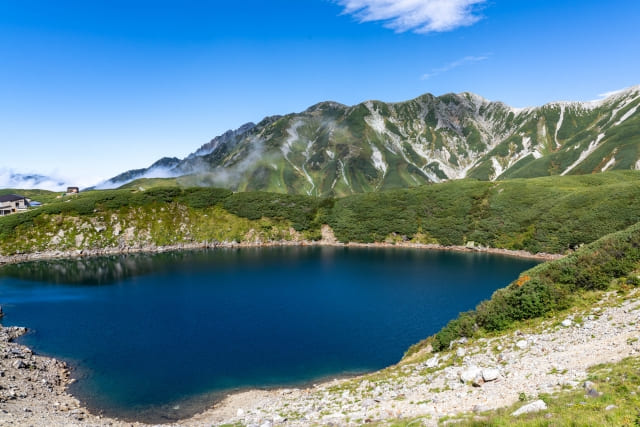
[[550, 214], [332, 149]]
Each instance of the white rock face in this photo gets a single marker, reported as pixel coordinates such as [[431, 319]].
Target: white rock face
[[536, 406]]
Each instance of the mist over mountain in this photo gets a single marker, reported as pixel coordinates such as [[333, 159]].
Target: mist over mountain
[[333, 149], [12, 179]]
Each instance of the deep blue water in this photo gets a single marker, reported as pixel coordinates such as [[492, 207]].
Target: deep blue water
[[157, 336]]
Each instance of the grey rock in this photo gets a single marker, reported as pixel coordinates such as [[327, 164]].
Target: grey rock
[[480, 408], [566, 323], [16, 352], [536, 406], [593, 393], [460, 352], [610, 407], [19, 364], [522, 344]]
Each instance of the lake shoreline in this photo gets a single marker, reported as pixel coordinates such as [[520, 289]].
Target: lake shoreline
[[550, 358], [57, 401], [328, 240]]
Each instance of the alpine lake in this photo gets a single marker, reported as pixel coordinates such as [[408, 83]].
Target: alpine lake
[[159, 337]]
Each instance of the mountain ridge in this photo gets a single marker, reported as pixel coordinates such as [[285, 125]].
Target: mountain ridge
[[332, 149]]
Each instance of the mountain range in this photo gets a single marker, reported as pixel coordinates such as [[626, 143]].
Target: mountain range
[[331, 149]]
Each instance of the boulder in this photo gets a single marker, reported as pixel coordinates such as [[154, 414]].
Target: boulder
[[522, 344], [471, 374], [19, 364], [536, 406], [490, 374], [566, 323], [432, 363], [593, 393]]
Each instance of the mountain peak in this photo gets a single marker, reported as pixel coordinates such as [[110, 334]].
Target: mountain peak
[[334, 149]]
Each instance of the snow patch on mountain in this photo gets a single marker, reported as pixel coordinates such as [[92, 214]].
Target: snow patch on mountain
[[287, 147], [375, 120], [559, 125], [610, 163], [497, 168], [378, 163], [626, 115], [586, 153]]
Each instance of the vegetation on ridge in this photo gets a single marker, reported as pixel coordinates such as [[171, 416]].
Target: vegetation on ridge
[[551, 214]]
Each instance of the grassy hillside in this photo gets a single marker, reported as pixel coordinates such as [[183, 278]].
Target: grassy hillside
[[163, 216], [552, 286], [552, 214]]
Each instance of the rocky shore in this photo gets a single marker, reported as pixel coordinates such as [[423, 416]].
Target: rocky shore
[[328, 239], [33, 388], [471, 377]]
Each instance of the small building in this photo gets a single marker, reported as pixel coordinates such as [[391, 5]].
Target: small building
[[12, 203], [73, 190]]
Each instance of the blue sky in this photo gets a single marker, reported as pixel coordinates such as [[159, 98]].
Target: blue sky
[[89, 89]]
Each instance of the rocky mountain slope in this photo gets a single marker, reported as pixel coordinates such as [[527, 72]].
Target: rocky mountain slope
[[333, 149]]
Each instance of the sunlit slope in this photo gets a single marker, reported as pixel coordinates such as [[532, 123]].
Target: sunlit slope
[[332, 150], [550, 214]]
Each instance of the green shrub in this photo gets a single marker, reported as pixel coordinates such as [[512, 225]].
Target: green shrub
[[551, 286], [463, 326]]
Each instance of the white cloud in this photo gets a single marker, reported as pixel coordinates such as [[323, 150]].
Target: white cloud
[[52, 181], [455, 64], [618, 92], [419, 16]]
